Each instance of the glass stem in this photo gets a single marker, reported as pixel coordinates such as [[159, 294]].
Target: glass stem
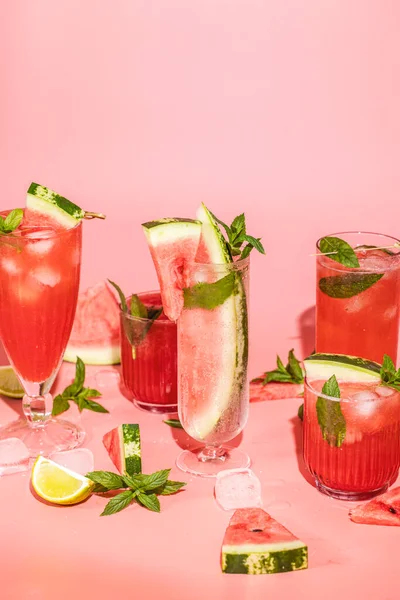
[[37, 409], [212, 453]]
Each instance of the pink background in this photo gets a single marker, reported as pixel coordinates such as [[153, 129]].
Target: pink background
[[143, 108]]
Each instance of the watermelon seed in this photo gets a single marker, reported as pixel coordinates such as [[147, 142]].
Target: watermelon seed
[[392, 510], [256, 530]]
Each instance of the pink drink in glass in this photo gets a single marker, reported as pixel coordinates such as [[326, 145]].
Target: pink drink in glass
[[149, 358]]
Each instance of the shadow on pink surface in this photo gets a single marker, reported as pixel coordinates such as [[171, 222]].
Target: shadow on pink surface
[[297, 430], [306, 329]]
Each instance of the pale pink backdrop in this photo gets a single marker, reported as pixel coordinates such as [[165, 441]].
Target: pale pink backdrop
[[143, 108]]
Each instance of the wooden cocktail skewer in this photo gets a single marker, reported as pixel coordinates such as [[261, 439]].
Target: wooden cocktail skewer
[[395, 245], [92, 215]]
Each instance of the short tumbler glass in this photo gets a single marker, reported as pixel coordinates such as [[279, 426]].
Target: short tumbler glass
[[149, 358]]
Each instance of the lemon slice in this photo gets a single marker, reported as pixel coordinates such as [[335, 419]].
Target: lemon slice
[[9, 383], [59, 485]]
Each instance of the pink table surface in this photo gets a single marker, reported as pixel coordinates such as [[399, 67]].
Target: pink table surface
[[56, 553]]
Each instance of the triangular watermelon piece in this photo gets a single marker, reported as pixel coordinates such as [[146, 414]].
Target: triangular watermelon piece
[[123, 445], [383, 510], [274, 390], [256, 544]]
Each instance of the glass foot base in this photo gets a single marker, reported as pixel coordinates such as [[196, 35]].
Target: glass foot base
[[350, 496], [196, 463], [55, 436], [158, 409]]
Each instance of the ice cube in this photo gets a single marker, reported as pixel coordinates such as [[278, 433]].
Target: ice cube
[[237, 488], [10, 266], [14, 456], [107, 378], [384, 391], [41, 246], [80, 460], [365, 401], [46, 276]]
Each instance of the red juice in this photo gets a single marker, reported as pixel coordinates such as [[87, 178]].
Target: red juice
[[366, 321], [39, 281], [367, 460], [149, 363]]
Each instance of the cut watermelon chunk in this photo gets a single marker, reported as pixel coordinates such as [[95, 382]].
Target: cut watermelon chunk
[[123, 446], [256, 544], [95, 335], [383, 510], [43, 200], [173, 243], [275, 391]]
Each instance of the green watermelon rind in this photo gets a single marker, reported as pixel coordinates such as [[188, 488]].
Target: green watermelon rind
[[266, 559], [129, 455], [93, 355], [346, 368], [41, 199], [168, 229]]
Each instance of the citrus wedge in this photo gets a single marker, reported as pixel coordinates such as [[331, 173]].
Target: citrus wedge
[[9, 383], [59, 485]]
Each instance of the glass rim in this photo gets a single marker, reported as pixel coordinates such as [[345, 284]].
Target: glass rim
[[129, 317], [345, 399], [234, 263], [26, 240], [334, 263]]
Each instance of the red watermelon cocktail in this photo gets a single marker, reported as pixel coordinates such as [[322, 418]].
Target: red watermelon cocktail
[[204, 280], [40, 258], [149, 356], [358, 295], [351, 427]]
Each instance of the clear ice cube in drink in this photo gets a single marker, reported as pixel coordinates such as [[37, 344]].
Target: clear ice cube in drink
[[237, 488]]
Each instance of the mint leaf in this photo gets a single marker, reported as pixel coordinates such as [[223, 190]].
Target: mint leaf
[[150, 501], [255, 242], [348, 285], [135, 482], [138, 309], [246, 251], [170, 487], [60, 405], [173, 423], [300, 412], [155, 480], [79, 380], [329, 414], [292, 373], [389, 376], [294, 368], [121, 295], [93, 406], [224, 225], [209, 295], [343, 252], [118, 503], [12, 220], [107, 479]]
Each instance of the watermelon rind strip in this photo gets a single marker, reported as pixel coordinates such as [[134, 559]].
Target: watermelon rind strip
[[265, 563], [43, 193], [345, 368], [131, 448]]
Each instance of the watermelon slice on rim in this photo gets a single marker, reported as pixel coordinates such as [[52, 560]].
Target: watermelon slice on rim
[[256, 544], [95, 335], [383, 510]]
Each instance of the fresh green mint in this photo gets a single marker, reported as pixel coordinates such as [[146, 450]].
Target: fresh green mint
[[141, 488], [210, 295], [348, 285], [11, 222], [389, 376], [330, 416], [339, 251], [78, 394], [300, 412], [237, 236], [173, 423], [292, 373]]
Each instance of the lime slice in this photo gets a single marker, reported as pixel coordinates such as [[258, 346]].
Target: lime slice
[[57, 484], [41, 199], [345, 368], [9, 383]]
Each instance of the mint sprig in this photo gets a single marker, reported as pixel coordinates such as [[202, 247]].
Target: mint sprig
[[291, 373], [237, 236], [339, 251], [142, 489], [329, 413], [389, 376], [77, 393], [11, 221]]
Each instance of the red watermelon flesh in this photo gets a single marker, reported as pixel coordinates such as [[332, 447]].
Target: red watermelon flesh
[[95, 332], [255, 526], [383, 510], [275, 391]]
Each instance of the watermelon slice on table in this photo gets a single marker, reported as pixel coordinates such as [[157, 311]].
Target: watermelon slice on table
[[256, 544], [383, 510], [95, 335], [275, 391], [123, 446]]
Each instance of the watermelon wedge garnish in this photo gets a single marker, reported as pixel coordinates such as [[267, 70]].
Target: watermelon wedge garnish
[[95, 333], [256, 544], [275, 391], [123, 445], [383, 510]]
